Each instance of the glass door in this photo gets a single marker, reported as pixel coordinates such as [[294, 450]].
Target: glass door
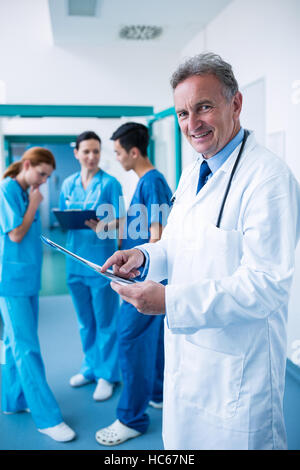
[[165, 145]]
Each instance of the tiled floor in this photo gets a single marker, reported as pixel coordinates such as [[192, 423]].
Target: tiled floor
[[61, 351]]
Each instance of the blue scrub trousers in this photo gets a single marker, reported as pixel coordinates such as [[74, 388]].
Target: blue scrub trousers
[[141, 355], [24, 383], [97, 307]]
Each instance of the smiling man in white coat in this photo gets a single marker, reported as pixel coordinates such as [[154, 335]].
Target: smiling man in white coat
[[228, 253]]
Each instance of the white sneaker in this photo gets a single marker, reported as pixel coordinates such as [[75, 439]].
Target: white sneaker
[[115, 434], [61, 432], [156, 404], [78, 380], [26, 410], [103, 391]]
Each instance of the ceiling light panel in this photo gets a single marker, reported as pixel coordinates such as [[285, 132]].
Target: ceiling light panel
[[140, 32], [82, 7]]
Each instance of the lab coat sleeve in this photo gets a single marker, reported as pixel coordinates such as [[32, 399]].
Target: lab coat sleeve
[[157, 265], [261, 283]]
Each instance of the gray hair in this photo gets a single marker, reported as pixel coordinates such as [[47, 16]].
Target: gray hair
[[205, 64]]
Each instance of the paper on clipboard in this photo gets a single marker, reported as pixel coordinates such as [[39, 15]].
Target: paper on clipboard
[[108, 274]]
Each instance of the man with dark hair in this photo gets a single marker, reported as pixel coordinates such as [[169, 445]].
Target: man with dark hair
[[228, 252], [132, 134], [141, 350]]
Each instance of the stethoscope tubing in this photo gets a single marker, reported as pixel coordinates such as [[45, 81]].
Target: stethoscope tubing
[[246, 134]]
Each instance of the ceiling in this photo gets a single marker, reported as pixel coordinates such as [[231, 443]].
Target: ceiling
[[179, 20]]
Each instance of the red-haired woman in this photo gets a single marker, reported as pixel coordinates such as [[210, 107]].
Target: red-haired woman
[[24, 385]]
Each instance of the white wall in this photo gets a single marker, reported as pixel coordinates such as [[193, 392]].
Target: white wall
[[37, 71], [261, 39]]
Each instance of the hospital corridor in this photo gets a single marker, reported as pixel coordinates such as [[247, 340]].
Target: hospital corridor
[[80, 410], [149, 225]]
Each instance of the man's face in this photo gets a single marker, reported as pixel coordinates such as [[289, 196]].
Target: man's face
[[207, 119], [123, 156]]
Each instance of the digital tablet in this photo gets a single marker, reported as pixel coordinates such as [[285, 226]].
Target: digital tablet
[[108, 274]]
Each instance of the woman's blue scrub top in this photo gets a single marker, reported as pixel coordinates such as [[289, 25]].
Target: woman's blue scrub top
[[104, 194], [20, 263]]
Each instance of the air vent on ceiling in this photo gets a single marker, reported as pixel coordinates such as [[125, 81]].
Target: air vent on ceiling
[[142, 32], [82, 7]]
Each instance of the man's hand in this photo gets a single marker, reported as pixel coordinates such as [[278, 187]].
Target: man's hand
[[147, 297], [125, 263]]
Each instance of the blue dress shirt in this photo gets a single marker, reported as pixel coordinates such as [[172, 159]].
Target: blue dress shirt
[[219, 158]]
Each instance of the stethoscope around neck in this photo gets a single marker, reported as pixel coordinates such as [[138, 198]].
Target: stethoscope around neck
[[68, 199], [246, 134]]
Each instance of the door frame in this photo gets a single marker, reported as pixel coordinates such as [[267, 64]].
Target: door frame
[[34, 139], [177, 133], [77, 111]]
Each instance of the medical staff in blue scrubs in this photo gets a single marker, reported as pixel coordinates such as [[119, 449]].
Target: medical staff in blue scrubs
[[24, 385], [141, 349], [95, 303]]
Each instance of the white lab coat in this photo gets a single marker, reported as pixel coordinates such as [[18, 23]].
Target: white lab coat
[[226, 304]]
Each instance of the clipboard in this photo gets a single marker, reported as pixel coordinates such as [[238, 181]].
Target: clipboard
[[72, 219], [96, 267]]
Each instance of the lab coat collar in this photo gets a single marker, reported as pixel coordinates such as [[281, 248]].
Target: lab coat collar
[[216, 161], [228, 164], [226, 167]]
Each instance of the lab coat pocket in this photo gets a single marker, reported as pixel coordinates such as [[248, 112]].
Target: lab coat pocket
[[221, 251], [211, 380]]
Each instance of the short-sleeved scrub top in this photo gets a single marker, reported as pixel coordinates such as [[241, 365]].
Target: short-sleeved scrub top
[[104, 194], [20, 263], [150, 203]]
